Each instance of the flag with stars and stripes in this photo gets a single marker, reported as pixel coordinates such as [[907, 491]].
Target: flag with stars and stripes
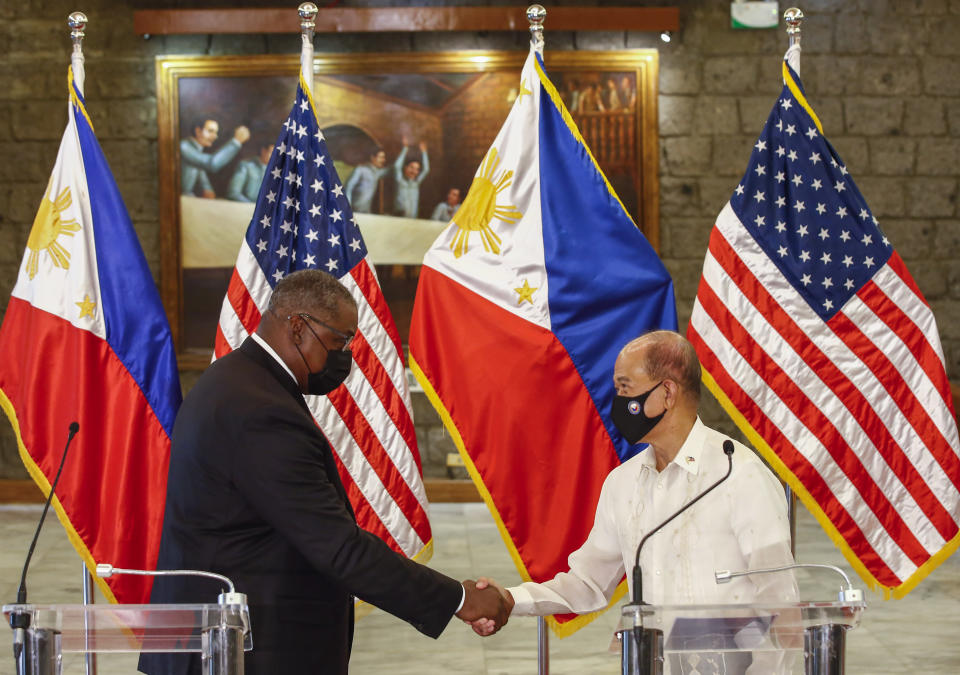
[[302, 221], [818, 342]]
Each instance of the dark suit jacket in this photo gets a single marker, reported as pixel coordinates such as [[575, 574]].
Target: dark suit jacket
[[253, 493]]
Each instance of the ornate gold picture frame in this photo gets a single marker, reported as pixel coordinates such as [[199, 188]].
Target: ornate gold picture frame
[[441, 110]]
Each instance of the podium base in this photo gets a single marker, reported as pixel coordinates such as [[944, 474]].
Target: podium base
[[823, 649], [641, 651]]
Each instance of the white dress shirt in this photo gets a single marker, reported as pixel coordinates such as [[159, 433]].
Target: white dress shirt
[[741, 525]]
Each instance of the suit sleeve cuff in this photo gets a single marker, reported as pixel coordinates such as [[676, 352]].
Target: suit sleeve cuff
[[463, 598]]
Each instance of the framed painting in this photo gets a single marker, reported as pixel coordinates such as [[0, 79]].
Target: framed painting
[[429, 116]]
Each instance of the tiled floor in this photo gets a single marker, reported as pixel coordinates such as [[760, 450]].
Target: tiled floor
[[914, 635]]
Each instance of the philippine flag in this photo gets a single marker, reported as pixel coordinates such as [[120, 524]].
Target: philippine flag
[[523, 304], [85, 339]]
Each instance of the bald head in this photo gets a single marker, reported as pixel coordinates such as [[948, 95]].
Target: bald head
[[665, 355]]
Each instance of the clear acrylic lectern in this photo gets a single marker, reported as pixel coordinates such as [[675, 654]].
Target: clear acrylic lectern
[[803, 637], [220, 632]]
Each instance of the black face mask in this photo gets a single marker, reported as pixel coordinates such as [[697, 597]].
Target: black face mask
[[333, 373], [630, 419]]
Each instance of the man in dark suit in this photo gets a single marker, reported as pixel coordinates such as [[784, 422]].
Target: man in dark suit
[[253, 493]]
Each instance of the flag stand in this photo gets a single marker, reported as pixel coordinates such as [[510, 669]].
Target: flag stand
[[77, 22], [543, 647], [793, 17], [535, 16], [90, 657]]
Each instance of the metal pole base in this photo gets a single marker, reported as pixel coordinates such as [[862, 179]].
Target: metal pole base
[[222, 650], [543, 647], [641, 651], [41, 652], [823, 649]]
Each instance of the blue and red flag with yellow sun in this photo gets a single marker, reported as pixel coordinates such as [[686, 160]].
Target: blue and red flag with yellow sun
[[523, 304], [85, 339]]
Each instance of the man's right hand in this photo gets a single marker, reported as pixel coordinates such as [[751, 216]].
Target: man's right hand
[[485, 605], [484, 627], [241, 134]]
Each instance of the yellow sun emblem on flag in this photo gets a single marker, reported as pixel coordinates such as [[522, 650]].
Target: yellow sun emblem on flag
[[480, 207], [523, 90], [47, 228]]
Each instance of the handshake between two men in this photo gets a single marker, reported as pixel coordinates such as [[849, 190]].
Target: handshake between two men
[[486, 606]]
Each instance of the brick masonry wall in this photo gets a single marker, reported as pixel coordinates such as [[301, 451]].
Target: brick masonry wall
[[881, 75]]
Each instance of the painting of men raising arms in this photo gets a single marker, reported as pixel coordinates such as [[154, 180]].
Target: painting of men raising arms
[[406, 142]]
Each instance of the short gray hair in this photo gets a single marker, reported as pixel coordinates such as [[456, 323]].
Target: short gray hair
[[312, 291], [667, 355]]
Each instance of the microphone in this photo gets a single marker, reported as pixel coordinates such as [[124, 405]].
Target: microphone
[[848, 594], [637, 572], [106, 570], [20, 620], [229, 597]]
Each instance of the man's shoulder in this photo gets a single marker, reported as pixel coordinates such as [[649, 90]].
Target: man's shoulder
[[189, 145], [237, 371], [627, 470], [239, 387], [747, 464]]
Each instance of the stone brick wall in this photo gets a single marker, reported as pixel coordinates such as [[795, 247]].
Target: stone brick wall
[[881, 74]]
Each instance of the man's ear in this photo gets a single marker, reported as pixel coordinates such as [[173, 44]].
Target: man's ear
[[296, 328], [672, 392]]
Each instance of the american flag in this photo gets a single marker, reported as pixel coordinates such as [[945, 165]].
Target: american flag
[[816, 339], [302, 220]]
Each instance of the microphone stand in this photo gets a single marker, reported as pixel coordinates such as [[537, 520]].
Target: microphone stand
[[21, 616], [824, 643], [223, 639], [637, 573], [644, 652], [848, 594]]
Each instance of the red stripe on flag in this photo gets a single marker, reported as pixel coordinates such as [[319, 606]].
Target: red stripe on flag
[[460, 339], [220, 344], [798, 464], [901, 394], [367, 282], [819, 424], [380, 461], [845, 390], [389, 395], [896, 264], [114, 480], [242, 303], [901, 325], [366, 517]]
